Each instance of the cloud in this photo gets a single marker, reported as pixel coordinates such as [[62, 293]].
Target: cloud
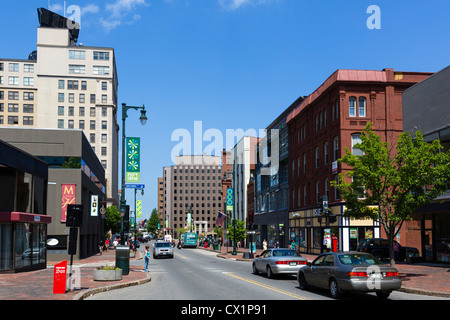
[[236, 4], [121, 12]]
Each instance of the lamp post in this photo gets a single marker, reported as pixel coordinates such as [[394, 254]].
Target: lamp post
[[143, 118], [135, 214], [189, 210]]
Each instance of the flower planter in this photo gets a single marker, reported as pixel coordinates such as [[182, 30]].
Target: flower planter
[[107, 275]]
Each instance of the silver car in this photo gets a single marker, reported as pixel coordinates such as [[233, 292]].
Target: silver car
[[278, 261], [162, 249], [349, 271]]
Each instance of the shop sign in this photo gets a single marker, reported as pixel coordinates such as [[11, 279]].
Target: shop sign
[[67, 197]]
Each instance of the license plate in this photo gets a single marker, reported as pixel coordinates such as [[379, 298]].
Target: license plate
[[292, 263], [375, 275]]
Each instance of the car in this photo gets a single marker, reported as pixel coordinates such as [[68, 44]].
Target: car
[[162, 249], [379, 247], [341, 272], [278, 261]]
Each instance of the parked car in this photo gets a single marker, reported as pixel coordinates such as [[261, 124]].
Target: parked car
[[162, 249], [278, 261], [380, 248], [340, 272]]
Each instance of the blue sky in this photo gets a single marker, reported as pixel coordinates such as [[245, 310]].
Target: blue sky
[[234, 64]]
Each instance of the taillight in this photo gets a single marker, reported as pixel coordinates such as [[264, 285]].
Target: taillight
[[390, 274], [289, 262], [357, 274]]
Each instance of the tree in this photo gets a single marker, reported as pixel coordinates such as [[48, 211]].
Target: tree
[[152, 223], [240, 231], [112, 220], [388, 184]]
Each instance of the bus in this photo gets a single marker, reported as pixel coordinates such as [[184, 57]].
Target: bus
[[189, 240]]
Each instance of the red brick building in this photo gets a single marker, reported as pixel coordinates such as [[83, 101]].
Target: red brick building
[[329, 120]]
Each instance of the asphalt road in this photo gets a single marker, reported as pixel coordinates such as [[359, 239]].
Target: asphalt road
[[195, 274]]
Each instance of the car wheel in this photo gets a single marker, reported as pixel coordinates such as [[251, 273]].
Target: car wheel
[[334, 289], [302, 281], [255, 271], [383, 294], [269, 273]]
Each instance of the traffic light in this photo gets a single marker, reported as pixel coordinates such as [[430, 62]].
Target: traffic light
[[250, 220], [126, 218]]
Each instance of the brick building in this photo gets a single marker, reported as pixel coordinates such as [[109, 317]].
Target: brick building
[[320, 128]]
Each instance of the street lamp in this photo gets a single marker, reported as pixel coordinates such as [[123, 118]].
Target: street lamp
[[143, 118]]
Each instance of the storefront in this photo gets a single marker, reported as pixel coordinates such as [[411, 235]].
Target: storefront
[[315, 234], [23, 222]]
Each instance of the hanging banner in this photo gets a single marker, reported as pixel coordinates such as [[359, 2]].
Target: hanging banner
[[229, 199], [133, 166], [94, 205], [67, 197], [139, 208]]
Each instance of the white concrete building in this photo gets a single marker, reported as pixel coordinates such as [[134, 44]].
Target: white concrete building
[[67, 86]]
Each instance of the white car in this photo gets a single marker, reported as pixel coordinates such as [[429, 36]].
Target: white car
[[162, 249]]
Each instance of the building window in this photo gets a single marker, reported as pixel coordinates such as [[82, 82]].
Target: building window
[[352, 107], [60, 123], [92, 112], [71, 97], [104, 151], [104, 85], [104, 124], [13, 120], [13, 67], [60, 110], [317, 192], [13, 80], [13, 95], [104, 162], [77, 69], [71, 111], [72, 84], [82, 98], [28, 108], [71, 124], [92, 125], [104, 56], [60, 97], [317, 152], [28, 81], [104, 112], [356, 139], [81, 125], [92, 138], [28, 68], [81, 112], [104, 137], [83, 85], [77, 54], [362, 107], [28, 96], [13, 107], [60, 84], [1, 80], [335, 148], [92, 98], [325, 153], [101, 70]]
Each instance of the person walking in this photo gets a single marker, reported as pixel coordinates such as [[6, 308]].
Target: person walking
[[264, 245], [146, 258]]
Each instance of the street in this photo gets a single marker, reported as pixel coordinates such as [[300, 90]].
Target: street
[[196, 274]]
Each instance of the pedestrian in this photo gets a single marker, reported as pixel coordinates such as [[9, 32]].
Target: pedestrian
[[264, 244], [146, 258], [100, 247], [396, 249], [107, 244], [293, 244], [115, 243]]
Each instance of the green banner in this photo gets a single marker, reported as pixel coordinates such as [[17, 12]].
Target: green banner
[[133, 165], [139, 208]]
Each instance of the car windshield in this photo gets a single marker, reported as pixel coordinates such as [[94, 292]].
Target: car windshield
[[162, 244], [358, 259], [280, 253]]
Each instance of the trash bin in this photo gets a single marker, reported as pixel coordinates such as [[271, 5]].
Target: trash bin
[[216, 246], [123, 259]]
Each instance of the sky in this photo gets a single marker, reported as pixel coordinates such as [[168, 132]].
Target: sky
[[233, 64]]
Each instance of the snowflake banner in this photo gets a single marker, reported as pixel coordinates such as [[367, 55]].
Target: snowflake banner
[[133, 164]]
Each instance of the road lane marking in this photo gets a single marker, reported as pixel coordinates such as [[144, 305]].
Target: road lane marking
[[267, 286]]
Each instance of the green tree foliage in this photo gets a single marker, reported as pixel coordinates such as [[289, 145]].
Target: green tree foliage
[[240, 231], [112, 220], [389, 183], [152, 223]]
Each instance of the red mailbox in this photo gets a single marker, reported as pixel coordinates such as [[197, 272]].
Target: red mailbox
[[59, 278]]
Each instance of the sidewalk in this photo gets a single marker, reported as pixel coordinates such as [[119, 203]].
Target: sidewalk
[[38, 285]]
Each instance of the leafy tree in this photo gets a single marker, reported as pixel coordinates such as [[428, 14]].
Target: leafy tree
[[152, 223], [388, 184], [112, 219], [240, 231]]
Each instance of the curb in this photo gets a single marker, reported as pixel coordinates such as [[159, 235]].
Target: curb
[[424, 292], [91, 292]]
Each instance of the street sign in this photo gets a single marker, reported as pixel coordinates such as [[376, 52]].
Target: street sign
[[135, 186]]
